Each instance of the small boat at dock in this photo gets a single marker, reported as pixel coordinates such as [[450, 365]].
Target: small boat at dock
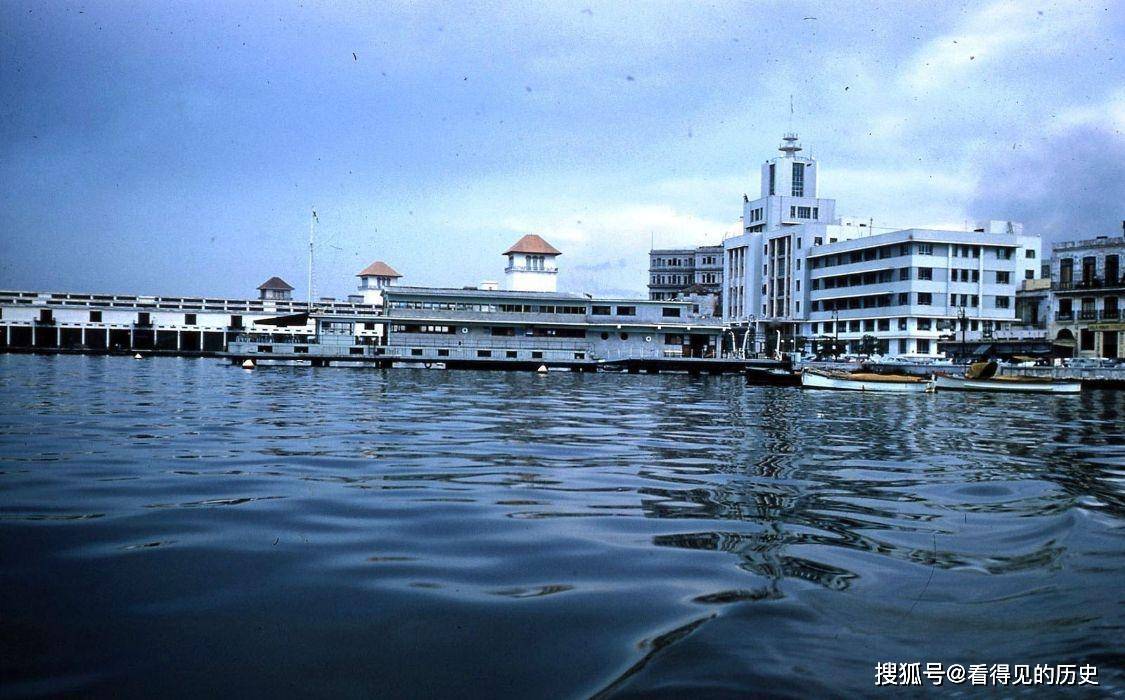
[[772, 376], [982, 377], [865, 381]]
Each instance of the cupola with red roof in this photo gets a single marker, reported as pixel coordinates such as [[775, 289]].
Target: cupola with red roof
[[531, 265], [373, 279]]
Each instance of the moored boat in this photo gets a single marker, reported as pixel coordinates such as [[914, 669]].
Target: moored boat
[[1034, 385], [864, 381], [772, 376]]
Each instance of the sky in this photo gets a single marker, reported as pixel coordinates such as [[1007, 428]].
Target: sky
[[179, 149]]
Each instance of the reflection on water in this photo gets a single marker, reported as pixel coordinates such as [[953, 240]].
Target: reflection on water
[[179, 526]]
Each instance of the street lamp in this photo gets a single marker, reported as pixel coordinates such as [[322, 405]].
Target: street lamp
[[836, 332], [963, 319]]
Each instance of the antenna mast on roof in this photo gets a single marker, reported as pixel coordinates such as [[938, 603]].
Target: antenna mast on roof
[[312, 229]]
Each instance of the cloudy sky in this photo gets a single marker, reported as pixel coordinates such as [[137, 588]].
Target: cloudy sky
[[178, 148]]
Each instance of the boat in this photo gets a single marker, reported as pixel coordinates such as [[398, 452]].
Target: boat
[[772, 376], [1037, 385], [982, 377], [866, 381]]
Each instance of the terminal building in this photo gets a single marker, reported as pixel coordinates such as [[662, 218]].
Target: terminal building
[[797, 274]]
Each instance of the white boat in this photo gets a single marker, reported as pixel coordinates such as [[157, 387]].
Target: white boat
[[1009, 383], [891, 383]]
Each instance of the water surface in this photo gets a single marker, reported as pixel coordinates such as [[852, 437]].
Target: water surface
[[181, 527]]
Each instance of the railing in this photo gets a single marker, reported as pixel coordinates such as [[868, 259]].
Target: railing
[[1087, 315], [1110, 314], [1064, 315], [1092, 283]]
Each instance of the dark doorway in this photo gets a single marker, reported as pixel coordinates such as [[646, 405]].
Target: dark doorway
[[1109, 344]]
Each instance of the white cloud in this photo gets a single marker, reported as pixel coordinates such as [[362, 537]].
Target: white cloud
[[607, 250], [998, 31]]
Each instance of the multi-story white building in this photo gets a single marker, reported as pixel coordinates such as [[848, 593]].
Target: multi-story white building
[[796, 272]]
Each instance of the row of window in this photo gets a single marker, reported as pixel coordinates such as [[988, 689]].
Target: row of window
[[804, 212], [488, 308], [871, 325], [906, 299], [901, 249], [1111, 270]]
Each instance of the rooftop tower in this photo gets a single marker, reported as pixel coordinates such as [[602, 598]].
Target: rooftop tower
[[531, 265]]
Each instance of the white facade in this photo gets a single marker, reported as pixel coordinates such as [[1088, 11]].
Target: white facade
[[531, 272], [798, 270]]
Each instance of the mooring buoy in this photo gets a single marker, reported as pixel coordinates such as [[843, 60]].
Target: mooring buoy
[[542, 368], [138, 356], [248, 364]]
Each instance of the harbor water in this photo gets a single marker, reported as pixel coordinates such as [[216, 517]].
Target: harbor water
[[181, 527]]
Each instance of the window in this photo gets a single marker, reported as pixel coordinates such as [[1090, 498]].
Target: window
[[923, 346], [301, 349], [510, 354], [599, 310], [96, 317], [443, 352], [804, 213], [904, 273], [902, 324], [1029, 254], [580, 356], [507, 331], [235, 321], [670, 312], [884, 324], [925, 249], [924, 324], [484, 353], [626, 311], [925, 299], [367, 325], [818, 241], [673, 339], [773, 177], [1029, 274], [925, 273], [1003, 302], [355, 351], [903, 298], [1004, 253], [799, 180], [624, 336], [1003, 277], [189, 319], [537, 354], [416, 352]]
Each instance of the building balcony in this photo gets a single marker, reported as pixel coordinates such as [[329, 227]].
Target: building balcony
[[1087, 315], [1064, 316], [1088, 285], [1109, 315]]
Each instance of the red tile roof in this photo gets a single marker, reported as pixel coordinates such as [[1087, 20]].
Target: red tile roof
[[378, 269], [532, 244], [276, 283]]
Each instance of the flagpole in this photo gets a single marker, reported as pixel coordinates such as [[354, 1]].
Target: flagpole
[[312, 229]]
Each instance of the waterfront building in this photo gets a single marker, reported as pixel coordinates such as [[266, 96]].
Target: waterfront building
[[471, 323], [797, 273], [373, 279], [84, 322], [1087, 287], [532, 265], [275, 289], [676, 271]]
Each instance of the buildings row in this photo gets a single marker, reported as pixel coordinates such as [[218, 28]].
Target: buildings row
[[797, 274], [527, 323]]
